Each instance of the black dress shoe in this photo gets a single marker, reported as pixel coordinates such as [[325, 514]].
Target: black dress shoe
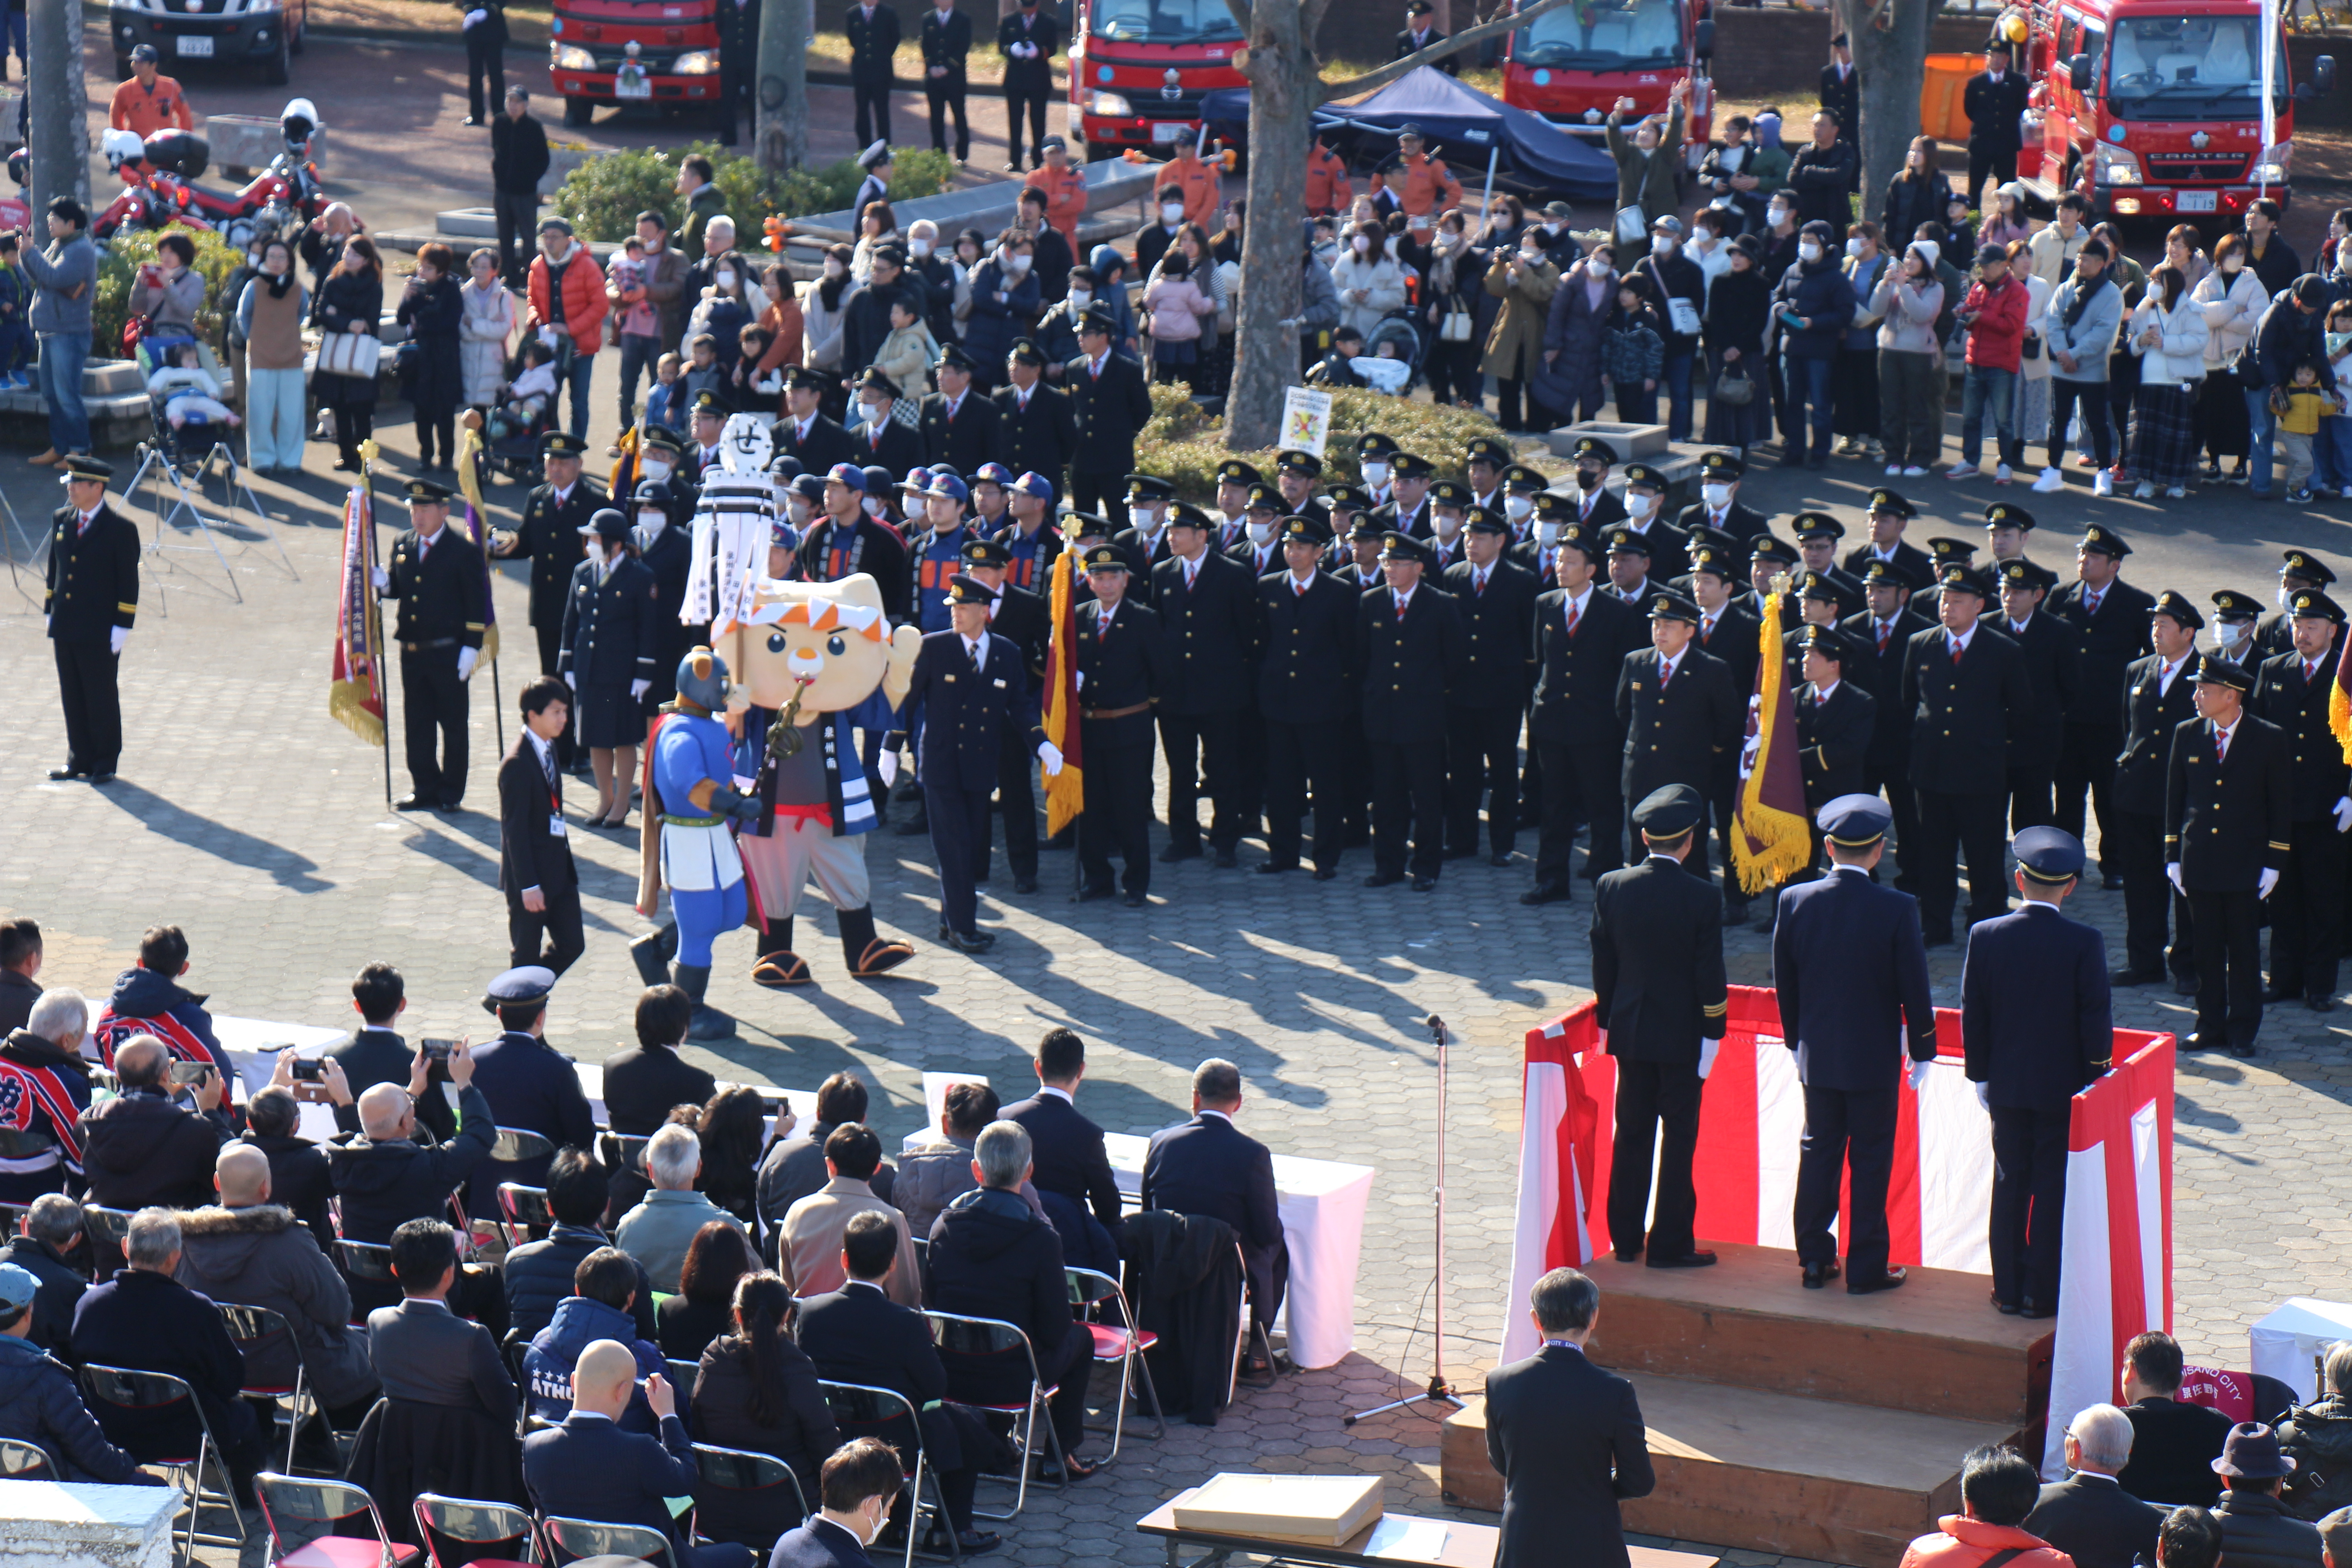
[[2245, 1053], [915, 826], [1224, 860], [979, 943], [412, 802], [971, 1543], [1629, 1255], [2033, 1310], [2320, 1004], [1499, 858], [1547, 893], [2134, 977], [2110, 882], [1383, 879], [1820, 1274], [2007, 1309], [1025, 884], [1469, 854], [1175, 852], [2184, 985], [1886, 1281], [2274, 995], [447, 807], [1273, 867], [1088, 895], [1692, 1259], [106, 776], [1936, 936], [63, 772], [1424, 884], [1136, 901], [1325, 873]]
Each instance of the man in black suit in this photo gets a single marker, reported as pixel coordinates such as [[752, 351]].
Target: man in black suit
[[1852, 981], [2292, 691], [1965, 688], [2159, 697], [2089, 1516], [1259, 550], [1419, 35], [1658, 984], [1890, 513], [2174, 1442], [1407, 508], [1880, 638], [2037, 1028], [959, 422], [548, 534], [1582, 637], [535, 868], [1122, 658], [1645, 494], [872, 29], [1729, 630], [590, 1469], [1993, 101], [1027, 38], [87, 605], [1067, 1147], [1207, 606], [1596, 507], [947, 43], [1679, 710], [1209, 1166], [1020, 617], [1036, 425], [1109, 405], [1841, 94], [2112, 616], [1566, 1436], [1145, 538], [377, 1055], [1308, 622], [2228, 823], [419, 1349], [526, 1083], [1483, 703], [646, 1082], [2053, 650], [1835, 719], [859, 1484], [1720, 508], [881, 441], [1411, 648], [445, 597], [807, 434]]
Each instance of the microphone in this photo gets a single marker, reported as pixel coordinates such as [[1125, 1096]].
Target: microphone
[[1433, 1022]]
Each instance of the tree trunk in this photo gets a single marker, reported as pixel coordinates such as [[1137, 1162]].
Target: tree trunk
[[780, 95], [1890, 56], [1284, 91], [56, 125]]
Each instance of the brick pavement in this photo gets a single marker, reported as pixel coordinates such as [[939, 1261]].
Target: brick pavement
[[248, 816]]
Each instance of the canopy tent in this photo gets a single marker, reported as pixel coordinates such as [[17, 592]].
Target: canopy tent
[[1464, 128]]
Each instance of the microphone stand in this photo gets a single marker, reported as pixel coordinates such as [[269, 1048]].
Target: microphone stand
[[1439, 1390]]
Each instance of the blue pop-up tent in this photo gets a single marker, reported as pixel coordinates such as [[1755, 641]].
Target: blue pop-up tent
[[1463, 126]]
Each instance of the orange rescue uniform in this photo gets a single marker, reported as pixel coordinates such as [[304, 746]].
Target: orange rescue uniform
[[1421, 183], [1065, 197], [1200, 184], [1328, 190], [147, 109]]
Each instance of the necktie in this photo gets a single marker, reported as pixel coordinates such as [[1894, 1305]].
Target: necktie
[[2309, 667], [1102, 626], [1478, 585], [973, 649], [546, 764], [1573, 617], [1707, 629], [1955, 650], [2091, 603], [1297, 589], [2220, 744], [1191, 572], [1665, 673], [1885, 630], [85, 524], [1400, 605]]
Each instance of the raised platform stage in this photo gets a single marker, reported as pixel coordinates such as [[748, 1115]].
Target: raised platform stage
[[1808, 1422]]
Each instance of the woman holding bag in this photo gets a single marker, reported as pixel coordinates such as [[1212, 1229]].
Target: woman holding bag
[[1907, 301], [1451, 291], [2169, 334], [1738, 306], [350, 300]]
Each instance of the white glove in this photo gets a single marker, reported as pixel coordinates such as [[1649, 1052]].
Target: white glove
[[2343, 814], [637, 690], [477, 17], [1917, 1073], [1081, 680], [1050, 755], [1706, 1054], [1984, 1097], [466, 658], [116, 638], [382, 579], [886, 764], [2172, 873], [2268, 885]]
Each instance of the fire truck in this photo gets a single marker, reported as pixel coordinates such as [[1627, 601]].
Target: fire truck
[[1139, 68], [1572, 65], [2154, 109], [655, 54]]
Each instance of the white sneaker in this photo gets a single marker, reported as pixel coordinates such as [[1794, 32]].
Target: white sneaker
[[1911, 472], [1961, 471], [2105, 485], [1893, 470], [2051, 479], [2143, 491], [2177, 491], [2001, 474]]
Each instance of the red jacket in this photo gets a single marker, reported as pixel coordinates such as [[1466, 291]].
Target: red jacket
[[1964, 1542], [584, 304], [1995, 337]]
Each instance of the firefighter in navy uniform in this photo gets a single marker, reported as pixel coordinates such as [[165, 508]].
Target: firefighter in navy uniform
[[1308, 622], [1965, 688], [1582, 636], [1730, 629], [445, 603], [2112, 617], [1359, 573], [947, 43], [2159, 697], [806, 432], [1679, 710], [1835, 720], [888, 444], [1411, 648], [91, 598], [2228, 829], [2053, 649], [1036, 427], [1879, 636], [957, 421], [1295, 474], [2273, 634], [1120, 660], [2291, 690], [548, 534], [1021, 618], [1496, 597]]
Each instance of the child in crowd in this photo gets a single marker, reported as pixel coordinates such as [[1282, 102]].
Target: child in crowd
[[1333, 369], [2332, 453], [665, 403], [529, 395], [751, 386], [1634, 354], [188, 391], [1176, 306], [906, 357], [2299, 421], [704, 372], [16, 331]]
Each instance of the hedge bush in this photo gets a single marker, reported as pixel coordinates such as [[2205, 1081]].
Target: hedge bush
[[1183, 445], [603, 197], [131, 250]]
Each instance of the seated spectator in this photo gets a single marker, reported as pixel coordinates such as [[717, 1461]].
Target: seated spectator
[[391, 1176], [733, 1129], [758, 1390], [421, 1350], [861, 1480], [2335, 1539], [719, 1255], [300, 1176], [810, 1252], [2173, 1444], [20, 967], [1998, 1490], [149, 1000], [793, 1168], [1209, 1166], [590, 1467], [2319, 1438], [936, 1173], [40, 1401], [255, 1253], [376, 1055], [52, 1250], [658, 1232], [528, 1086], [1073, 1173], [146, 1320], [2087, 1516], [859, 1335], [2191, 1537], [142, 1147], [991, 1258], [45, 1089], [540, 1274], [642, 1084], [2257, 1532], [604, 1289]]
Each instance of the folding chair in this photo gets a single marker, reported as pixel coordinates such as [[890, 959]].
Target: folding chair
[[367, 1260], [510, 1350], [109, 1231], [682, 1374], [24, 1145], [754, 1495], [464, 1521], [128, 1389], [1247, 1331], [1122, 1341], [569, 1540], [514, 1144], [861, 1410], [328, 1503], [24, 1462], [254, 1328], [13, 1217], [525, 1212], [622, 1152], [976, 1337]]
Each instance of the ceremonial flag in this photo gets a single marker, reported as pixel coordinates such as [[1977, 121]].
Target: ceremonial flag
[[1065, 790], [1771, 838], [2339, 699], [478, 528], [355, 694]]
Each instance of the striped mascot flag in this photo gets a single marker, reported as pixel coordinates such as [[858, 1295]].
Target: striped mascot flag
[[355, 685], [471, 460], [1065, 790], [1771, 838]]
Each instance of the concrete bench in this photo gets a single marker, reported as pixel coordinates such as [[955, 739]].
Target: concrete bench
[[56, 1524]]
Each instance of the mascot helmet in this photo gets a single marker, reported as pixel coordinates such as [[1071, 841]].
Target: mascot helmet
[[122, 147], [744, 445], [297, 121], [702, 679]]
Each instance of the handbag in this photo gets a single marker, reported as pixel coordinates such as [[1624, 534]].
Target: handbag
[[1632, 226], [1684, 316], [348, 354], [1453, 327], [1733, 388]]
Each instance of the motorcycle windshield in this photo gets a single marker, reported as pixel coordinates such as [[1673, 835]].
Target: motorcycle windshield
[[2188, 68], [1603, 36], [1162, 21]]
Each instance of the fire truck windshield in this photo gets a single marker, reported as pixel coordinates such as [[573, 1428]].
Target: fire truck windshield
[[2188, 68], [1162, 21], [1603, 36]]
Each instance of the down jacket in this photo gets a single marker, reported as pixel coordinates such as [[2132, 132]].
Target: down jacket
[[584, 304], [39, 1403], [264, 1256]]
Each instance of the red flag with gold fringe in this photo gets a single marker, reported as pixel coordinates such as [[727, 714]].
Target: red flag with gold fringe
[[1065, 790], [1771, 838], [355, 690]]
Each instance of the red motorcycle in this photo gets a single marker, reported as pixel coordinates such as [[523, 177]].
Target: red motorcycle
[[159, 184]]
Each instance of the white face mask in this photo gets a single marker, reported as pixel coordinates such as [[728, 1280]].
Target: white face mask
[[1519, 507], [1530, 254], [1547, 534], [1663, 247], [1853, 247], [1260, 532], [1599, 268], [919, 248], [833, 269], [1080, 299], [1809, 250], [876, 412], [1715, 496], [1017, 263], [872, 505], [1447, 523], [1780, 216], [1171, 213], [724, 277], [1640, 505], [1376, 474], [653, 522], [1361, 243], [596, 551], [796, 507], [654, 468]]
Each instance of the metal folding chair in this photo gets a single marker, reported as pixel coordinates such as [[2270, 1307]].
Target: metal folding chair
[[109, 1231], [468, 1521], [861, 1410], [254, 1328], [621, 1151], [128, 1389], [1247, 1331], [957, 1335], [753, 1498], [13, 1217], [524, 1211], [517, 1143], [24, 1462], [305, 1500], [367, 1260], [1091, 1290], [569, 1540], [682, 1374], [24, 1145]]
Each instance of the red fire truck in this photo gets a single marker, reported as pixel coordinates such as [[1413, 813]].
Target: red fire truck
[[1572, 65], [2154, 109], [659, 54], [1137, 68]]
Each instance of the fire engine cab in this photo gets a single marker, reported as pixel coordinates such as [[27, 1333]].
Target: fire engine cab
[[1139, 68], [1572, 65]]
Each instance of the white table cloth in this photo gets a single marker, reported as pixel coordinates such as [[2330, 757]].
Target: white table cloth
[[2298, 1332]]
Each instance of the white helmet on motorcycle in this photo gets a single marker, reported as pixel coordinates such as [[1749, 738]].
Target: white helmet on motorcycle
[[297, 120], [122, 147]]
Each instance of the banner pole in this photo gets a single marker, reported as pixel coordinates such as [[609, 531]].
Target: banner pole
[[375, 609]]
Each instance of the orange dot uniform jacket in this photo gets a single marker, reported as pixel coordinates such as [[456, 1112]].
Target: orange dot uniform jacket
[[1200, 183], [1421, 183], [145, 110], [583, 305], [1065, 197], [1328, 190]]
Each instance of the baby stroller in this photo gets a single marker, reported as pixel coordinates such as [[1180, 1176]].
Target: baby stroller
[[512, 442], [185, 448], [1402, 329]]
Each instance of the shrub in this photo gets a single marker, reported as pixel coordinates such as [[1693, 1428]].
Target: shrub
[[131, 250], [603, 197], [1183, 445]]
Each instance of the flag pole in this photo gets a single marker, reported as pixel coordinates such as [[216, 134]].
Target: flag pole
[[478, 462], [368, 450]]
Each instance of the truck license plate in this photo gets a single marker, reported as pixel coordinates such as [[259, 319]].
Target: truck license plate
[[1168, 130], [193, 47], [637, 87], [2193, 201]]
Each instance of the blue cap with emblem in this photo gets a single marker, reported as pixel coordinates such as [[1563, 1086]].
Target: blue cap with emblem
[[525, 986], [1856, 821], [2049, 855]]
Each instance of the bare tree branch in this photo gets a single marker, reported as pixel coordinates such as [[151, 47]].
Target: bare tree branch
[[1437, 51]]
